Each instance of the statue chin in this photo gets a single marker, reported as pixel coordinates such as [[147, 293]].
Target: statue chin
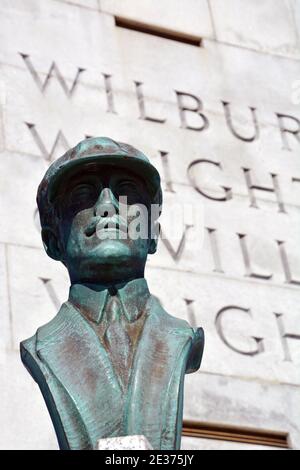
[[113, 259], [111, 252], [107, 248]]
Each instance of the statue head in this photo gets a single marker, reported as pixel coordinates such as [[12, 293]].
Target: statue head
[[99, 206]]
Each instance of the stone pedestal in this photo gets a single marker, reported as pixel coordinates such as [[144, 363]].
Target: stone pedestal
[[125, 443]]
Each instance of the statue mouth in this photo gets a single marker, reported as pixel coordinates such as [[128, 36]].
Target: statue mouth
[[105, 224]]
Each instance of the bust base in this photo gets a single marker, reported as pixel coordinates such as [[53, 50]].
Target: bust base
[[138, 442]]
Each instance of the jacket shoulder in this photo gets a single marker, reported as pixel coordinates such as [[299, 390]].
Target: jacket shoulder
[[173, 324], [181, 327], [30, 358], [29, 346], [48, 330]]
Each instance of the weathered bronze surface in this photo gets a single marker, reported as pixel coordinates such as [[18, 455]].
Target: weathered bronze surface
[[112, 361]]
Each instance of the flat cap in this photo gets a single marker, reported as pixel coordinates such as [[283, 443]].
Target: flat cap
[[100, 150]]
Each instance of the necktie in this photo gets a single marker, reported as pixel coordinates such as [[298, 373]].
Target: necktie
[[116, 338]]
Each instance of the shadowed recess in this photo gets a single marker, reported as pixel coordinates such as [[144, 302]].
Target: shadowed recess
[[133, 25], [235, 433]]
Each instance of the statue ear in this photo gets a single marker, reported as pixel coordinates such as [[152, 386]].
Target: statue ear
[[154, 239], [51, 243]]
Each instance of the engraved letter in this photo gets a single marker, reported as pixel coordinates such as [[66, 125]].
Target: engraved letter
[[109, 94], [258, 341], [283, 130], [247, 261], [60, 138], [234, 132], [275, 190], [166, 169], [227, 191], [142, 107], [191, 312], [285, 264], [52, 294], [53, 70], [215, 249], [176, 255], [284, 336], [196, 107]]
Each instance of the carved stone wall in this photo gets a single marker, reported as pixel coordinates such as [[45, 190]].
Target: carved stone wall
[[210, 90]]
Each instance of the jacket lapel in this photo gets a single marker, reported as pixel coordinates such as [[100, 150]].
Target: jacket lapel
[[155, 397], [71, 349]]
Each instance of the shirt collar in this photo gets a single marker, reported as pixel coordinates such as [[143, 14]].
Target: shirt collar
[[91, 299]]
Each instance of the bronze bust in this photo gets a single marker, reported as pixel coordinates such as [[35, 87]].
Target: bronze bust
[[112, 361]]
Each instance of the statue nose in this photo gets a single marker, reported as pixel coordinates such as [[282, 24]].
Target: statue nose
[[106, 205]]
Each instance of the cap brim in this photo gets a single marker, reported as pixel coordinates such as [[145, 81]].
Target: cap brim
[[143, 169]]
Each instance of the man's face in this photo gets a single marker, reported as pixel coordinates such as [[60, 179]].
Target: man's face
[[102, 238]]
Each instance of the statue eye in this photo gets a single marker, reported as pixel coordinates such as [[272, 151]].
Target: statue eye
[[82, 193], [126, 187]]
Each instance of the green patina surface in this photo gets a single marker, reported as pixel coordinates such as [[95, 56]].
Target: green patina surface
[[112, 361]]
